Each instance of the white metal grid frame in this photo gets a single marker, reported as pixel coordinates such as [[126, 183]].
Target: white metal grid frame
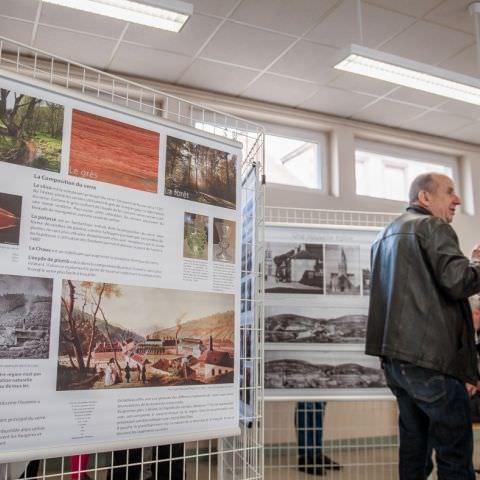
[[359, 434], [236, 458]]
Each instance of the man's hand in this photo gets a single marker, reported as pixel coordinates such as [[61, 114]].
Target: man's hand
[[471, 389], [476, 252]]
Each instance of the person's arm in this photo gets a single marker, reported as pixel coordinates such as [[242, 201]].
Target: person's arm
[[455, 274]]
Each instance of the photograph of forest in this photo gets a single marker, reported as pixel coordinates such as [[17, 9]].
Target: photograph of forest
[[200, 173], [10, 213], [114, 152], [121, 336], [30, 131]]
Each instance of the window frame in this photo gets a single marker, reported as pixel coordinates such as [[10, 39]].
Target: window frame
[[405, 153]]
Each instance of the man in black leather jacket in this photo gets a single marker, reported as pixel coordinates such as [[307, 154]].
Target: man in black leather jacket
[[420, 323]]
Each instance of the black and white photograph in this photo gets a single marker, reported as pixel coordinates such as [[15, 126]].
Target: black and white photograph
[[342, 269], [348, 372], [365, 266], [294, 268], [25, 317], [315, 325]]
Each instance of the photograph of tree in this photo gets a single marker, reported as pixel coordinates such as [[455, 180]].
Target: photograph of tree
[[30, 131], [120, 336], [25, 316], [10, 214], [199, 173], [293, 267], [342, 269], [223, 240], [323, 370], [195, 236], [114, 152], [315, 325]]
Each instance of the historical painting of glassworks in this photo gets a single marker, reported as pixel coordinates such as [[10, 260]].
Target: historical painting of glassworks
[[326, 325], [10, 214], [201, 174], [25, 316], [342, 269], [294, 268], [120, 336], [291, 369], [114, 152], [30, 131]]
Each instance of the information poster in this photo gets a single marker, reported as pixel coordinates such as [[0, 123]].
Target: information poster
[[119, 273], [317, 284]]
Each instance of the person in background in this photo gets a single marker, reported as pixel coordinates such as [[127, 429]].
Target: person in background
[[475, 400], [420, 324], [309, 425]]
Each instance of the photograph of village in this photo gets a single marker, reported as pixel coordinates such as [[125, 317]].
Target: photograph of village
[[114, 152], [294, 268], [342, 269], [195, 236], [365, 266], [315, 325], [30, 131], [10, 215], [199, 173], [120, 336], [322, 370], [25, 317]]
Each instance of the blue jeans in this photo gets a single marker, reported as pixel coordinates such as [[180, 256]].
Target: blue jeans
[[309, 423], [434, 413]]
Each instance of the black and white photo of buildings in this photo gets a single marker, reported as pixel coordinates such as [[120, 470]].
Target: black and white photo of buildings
[[295, 369], [294, 268], [365, 266], [342, 269], [315, 325], [25, 316]]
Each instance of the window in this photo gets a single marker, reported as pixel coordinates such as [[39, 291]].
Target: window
[[386, 171]]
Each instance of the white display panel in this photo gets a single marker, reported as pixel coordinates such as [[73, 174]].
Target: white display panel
[[119, 279]]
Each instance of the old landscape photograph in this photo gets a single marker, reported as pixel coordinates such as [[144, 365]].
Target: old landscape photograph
[[25, 317], [120, 336]]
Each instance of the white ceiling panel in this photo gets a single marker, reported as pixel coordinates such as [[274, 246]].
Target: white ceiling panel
[[309, 61], [218, 8], [188, 41], [274, 89], [53, 15], [337, 102], [386, 112], [290, 17], [436, 123], [470, 133], [246, 46], [20, 31], [153, 64], [82, 48], [461, 108], [454, 14], [427, 42], [415, 97], [464, 62], [361, 84], [217, 77], [24, 9], [416, 8]]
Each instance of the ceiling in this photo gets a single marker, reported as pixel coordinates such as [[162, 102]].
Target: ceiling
[[278, 51]]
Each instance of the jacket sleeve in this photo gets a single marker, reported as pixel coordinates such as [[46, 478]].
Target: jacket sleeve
[[454, 273]]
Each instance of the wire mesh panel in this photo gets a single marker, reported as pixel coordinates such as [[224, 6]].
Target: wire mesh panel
[[239, 457]]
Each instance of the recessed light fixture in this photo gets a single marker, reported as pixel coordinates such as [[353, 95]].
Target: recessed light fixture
[[409, 73], [165, 14]]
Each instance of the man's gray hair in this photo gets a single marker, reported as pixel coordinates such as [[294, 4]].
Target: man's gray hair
[[423, 182], [475, 302]]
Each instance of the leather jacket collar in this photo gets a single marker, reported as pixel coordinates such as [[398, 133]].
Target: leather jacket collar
[[418, 209]]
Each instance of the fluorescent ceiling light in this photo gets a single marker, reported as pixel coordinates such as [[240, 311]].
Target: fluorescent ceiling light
[[165, 14], [409, 73]]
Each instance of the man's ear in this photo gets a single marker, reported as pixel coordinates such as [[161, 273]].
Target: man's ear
[[424, 198]]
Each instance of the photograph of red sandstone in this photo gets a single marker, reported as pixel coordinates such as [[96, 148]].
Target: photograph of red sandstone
[[120, 336], [114, 152], [10, 214]]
